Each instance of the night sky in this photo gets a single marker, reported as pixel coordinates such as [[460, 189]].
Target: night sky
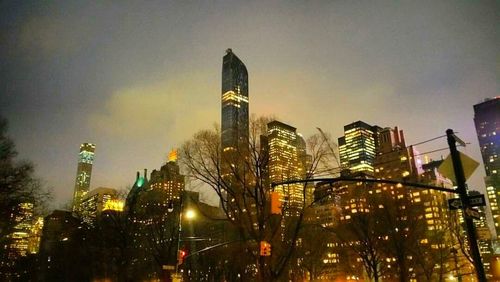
[[139, 78]]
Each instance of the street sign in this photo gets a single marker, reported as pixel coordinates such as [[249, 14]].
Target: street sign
[[477, 201], [454, 204], [472, 213], [469, 165], [474, 201], [167, 267]]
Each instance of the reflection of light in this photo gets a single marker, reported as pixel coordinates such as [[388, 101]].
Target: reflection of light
[[64, 239], [190, 214]]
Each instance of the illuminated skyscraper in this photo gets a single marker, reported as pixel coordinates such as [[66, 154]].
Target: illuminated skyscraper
[[83, 174], [22, 230], [487, 121], [234, 121], [357, 148], [284, 148]]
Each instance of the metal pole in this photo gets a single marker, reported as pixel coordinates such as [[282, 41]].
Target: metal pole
[[179, 238], [462, 192]]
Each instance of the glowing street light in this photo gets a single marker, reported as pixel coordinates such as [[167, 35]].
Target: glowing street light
[[190, 214]]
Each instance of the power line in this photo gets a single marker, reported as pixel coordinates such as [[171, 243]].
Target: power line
[[426, 141], [336, 169]]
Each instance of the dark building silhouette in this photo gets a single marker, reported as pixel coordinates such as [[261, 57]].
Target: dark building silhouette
[[234, 100], [487, 121], [64, 253]]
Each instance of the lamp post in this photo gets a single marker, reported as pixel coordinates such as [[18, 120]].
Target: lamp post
[[190, 214], [179, 232]]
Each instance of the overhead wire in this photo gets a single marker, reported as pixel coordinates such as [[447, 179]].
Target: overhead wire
[[322, 172]]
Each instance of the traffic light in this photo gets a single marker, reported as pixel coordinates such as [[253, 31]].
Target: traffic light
[[265, 249], [275, 203], [180, 256]]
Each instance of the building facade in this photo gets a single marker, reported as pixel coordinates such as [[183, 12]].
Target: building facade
[[94, 202], [357, 148], [286, 150], [169, 179], [83, 174], [19, 238], [487, 121], [234, 101]]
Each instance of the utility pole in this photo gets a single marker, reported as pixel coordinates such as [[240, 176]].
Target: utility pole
[[462, 192]]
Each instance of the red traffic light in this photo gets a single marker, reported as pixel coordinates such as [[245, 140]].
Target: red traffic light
[[180, 256]]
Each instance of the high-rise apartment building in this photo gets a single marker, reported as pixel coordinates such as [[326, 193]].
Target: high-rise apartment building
[[487, 121], [83, 174], [234, 118], [419, 214], [357, 148], [169, 179], [393, 159]]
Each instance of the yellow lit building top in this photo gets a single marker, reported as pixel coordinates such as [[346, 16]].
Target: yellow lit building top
[[114, 205], [172, 156]]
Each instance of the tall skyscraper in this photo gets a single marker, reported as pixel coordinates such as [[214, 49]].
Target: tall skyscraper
[[234, 119], [83, 174], [357, 148], [487, 121], [283, 160]]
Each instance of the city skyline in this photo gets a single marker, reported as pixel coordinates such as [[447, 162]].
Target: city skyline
[[66, 81]]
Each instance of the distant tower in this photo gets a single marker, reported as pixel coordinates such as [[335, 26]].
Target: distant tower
[[234, 119], [358, 147], [487, 121], [83, 174]]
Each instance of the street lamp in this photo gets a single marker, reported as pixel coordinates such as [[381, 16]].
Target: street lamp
[[189, 214]]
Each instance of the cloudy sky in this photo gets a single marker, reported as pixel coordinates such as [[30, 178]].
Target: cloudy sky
[[138, 78]]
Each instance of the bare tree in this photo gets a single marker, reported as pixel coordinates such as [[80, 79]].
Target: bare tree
[[17, 186], [360, 232], [311, 250], [240, 179]]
